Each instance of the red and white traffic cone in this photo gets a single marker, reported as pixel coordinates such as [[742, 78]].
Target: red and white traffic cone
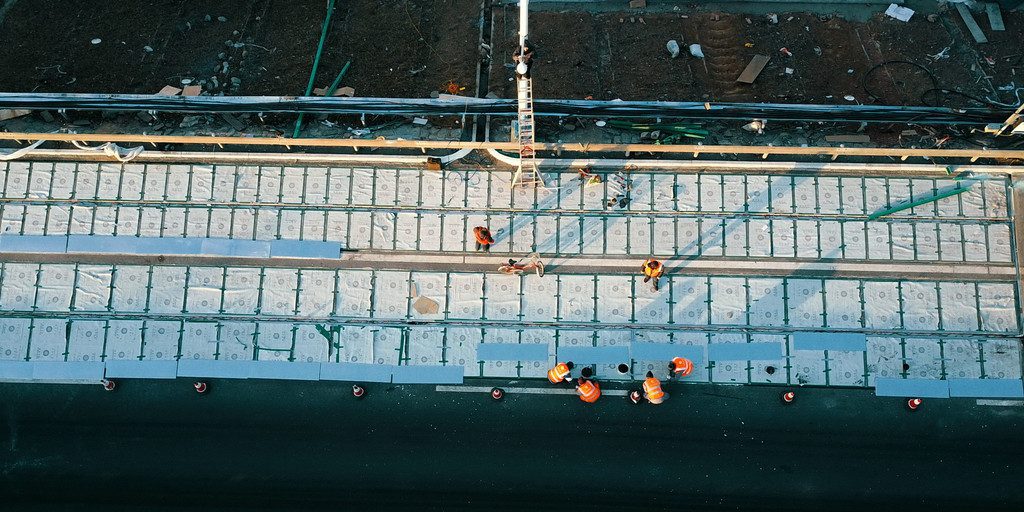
[[200, 387], [108, 385], [788, 397], [913, 403], [634, 396], [497, 393], [358, 391]]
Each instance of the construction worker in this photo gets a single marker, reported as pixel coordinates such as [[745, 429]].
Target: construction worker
[[680, 366], [560, 373], [652, 388], [524, 57], [588, 390], [484, 240], [653, 269]]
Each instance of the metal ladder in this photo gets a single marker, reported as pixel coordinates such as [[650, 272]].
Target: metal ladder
[[527, 173]]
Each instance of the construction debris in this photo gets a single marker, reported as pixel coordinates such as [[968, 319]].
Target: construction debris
[[995, 17], [696, 51], [11, 114], [673, 48], [899, 12], [972, 25], [753, 69]]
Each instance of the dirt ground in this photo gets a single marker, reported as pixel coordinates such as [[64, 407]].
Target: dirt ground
[[412, 48], [268, 45], [623, 55]]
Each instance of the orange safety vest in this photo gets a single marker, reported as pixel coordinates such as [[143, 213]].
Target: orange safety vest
[[683, 366], [558, 373], [653, 272], [652, 387], [589, 391], [483, 235]]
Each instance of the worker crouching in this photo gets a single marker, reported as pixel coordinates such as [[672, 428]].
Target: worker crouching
[[680, 366], [653, 391], [560, 373], [588, 391], [653, 269], [484, 240]]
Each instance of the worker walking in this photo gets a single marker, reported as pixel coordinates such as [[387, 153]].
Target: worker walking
[[653, 269], [560, 373], [484, 240], [680, 366], [588, 391], [652, 388]]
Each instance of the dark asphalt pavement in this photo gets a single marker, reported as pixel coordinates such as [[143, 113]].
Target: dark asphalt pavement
[[284, 445]]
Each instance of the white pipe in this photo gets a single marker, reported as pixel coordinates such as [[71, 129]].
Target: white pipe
[[524, 23]]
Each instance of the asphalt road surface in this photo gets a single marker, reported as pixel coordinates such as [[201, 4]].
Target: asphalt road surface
[[281, 445]]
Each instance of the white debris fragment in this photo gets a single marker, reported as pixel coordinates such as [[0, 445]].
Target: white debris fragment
[[673, 48], [773, 18], [600, 124], [696, 51], [756, 126], [849, 97], [148, 49], [422, 121], [899, 12], [789, 71], [96, 41]]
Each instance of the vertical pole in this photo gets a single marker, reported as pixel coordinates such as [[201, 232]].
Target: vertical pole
[[524, 23]]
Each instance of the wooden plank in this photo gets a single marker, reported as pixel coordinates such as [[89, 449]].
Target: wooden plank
[[972, 25], [995, 17], [753, 69]]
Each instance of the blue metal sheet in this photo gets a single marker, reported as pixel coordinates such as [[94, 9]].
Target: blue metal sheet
[[284, 370], [33, 243], [158, 245], [842, 341], [102, 244], [428, 374], [512, 352], [356, 372], [594, 355], [304, 249], [228, 247], [647, 351], [986, 388], [745, 351], [131, 369], [71, 371], [15, 371], [214, 369], [912, 388]]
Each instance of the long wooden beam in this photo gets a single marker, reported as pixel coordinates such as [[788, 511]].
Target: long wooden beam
[[572, 147]]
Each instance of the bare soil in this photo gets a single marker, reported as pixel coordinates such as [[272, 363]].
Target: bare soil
[[623, 55], [268, 44]]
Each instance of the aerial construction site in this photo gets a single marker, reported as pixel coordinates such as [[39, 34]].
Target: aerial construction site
[[511, 255]]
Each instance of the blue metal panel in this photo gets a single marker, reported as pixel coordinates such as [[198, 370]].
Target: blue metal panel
[[33, 243], [512, 352], [284, 370], [745, 351], [986, 388], [594, 355], [132, 369], [214, 369], [304, 249], [842, 341], [71, 371], [102, 244], [912, 388], [356, 372], [647, 351], [428, 374], [157, 245], [228, 247], [15, 371]]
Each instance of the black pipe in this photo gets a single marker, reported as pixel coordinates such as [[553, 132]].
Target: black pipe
[[505, 107]]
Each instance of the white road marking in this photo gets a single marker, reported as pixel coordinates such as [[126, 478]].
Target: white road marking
[[1002, 403], [525, 391]]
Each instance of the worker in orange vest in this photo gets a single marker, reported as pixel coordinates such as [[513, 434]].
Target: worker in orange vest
[[588, 390], [653, 269], [484, 240], [680, 366], [652, 388], [560, 373]]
